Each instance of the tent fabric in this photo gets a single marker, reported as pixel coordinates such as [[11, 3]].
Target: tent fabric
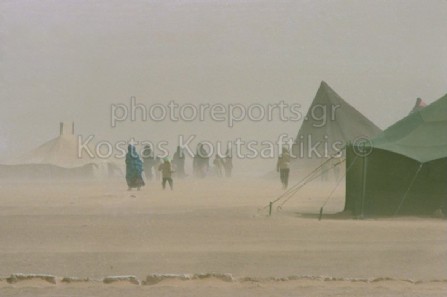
[[332, 123], [59, 158], [421, 136], [22, 172], [404, 169], [61, 151]]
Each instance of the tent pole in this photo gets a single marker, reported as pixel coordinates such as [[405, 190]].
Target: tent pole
[[408, 189], [336, 186], [365, 165]]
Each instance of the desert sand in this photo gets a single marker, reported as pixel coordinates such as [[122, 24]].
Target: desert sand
[[208, 238]]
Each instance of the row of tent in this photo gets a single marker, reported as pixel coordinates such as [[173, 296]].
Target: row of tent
[[399, 171]]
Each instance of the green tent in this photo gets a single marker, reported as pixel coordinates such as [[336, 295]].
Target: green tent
[[329, 125], [404, 169]]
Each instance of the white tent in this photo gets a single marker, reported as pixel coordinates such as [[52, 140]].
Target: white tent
[[58, 158], [61, 151]]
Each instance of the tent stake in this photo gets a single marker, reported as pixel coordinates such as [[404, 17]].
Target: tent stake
[[270, 208], [321, 214]]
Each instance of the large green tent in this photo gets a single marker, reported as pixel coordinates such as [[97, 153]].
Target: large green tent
[[403, 170], [330, 123]]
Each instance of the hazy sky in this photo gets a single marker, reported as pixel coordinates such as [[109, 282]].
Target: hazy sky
[[70, 60]]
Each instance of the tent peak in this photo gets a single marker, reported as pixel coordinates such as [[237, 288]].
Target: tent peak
[[324, 84], [325, 87], [66, 128]]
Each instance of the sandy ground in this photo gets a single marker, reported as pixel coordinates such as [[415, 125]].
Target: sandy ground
[[95, 230]]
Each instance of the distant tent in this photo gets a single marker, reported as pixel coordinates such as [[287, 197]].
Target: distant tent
[[61, 151], [329, 125], [418, 105], [58, 158], [47, 172], [404, 169]]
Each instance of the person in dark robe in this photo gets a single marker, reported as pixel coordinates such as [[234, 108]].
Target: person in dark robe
[[157, 163], [201, 162], [178, 161], [218, 165], [134, 169], [228, 163], [195, 165], [148, 162]]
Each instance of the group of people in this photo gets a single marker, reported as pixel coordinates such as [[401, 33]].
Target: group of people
[[223, 165], [135, 166], [162, 167]]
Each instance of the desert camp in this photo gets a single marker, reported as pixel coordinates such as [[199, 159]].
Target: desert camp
[[221, 148]]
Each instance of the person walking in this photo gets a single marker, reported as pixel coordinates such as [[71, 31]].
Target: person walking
[[148, 162], [166, 172], [228, 163], [178, 161], [134, 169], [218, 165], [283, 167]]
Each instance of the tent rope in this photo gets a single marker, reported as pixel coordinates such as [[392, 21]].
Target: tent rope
[[304, 182], [308, 181], [308, 178], [336, 186], [294, 186], [404, 197]]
